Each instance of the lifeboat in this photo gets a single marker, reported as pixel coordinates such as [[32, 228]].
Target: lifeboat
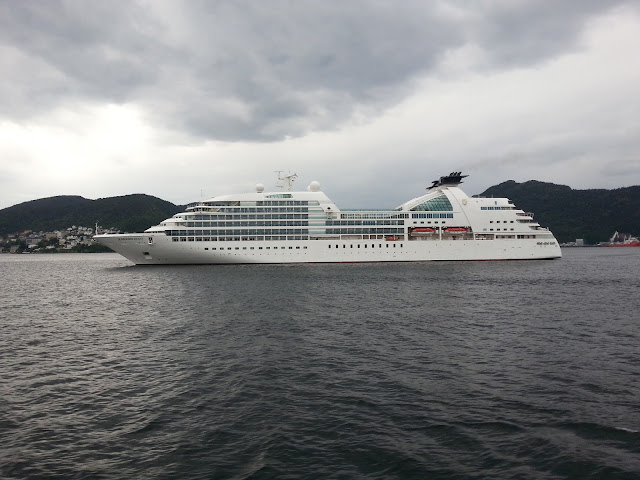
[[422, 231], [455, 229], [391, 239]]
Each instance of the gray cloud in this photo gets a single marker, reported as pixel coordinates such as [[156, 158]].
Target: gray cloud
[[259, 71], [520, 33]]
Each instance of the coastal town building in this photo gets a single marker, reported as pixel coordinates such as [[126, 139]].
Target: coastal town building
[[74, 237]]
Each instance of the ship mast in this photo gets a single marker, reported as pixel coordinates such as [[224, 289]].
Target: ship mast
[[286, 181]]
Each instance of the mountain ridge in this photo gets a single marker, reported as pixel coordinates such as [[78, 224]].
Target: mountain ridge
[[131, 213]]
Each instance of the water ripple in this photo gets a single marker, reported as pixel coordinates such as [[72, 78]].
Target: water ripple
[[443, 371]]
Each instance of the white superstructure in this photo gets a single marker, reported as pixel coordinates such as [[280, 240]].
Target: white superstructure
[[307, 227]]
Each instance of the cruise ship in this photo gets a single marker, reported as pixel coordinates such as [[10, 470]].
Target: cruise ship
[[288, 226]]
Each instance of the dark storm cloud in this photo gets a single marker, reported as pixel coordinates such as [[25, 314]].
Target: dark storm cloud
[[522, 32], [60, 51], [259, 70]]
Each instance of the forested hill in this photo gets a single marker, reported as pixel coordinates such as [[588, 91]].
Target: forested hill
[[590, 214], [129, 213]]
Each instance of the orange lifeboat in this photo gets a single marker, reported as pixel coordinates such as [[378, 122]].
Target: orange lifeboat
[[423, 230], [455, 229]]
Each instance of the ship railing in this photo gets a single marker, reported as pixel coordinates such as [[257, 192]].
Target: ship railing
[[485, 236], [370, 215], [324, 237]]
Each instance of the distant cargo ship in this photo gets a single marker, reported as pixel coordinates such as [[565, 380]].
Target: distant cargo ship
[[622, 240], [307, 227]]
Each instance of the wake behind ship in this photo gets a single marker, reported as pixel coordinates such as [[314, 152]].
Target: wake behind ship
[[307, 227]]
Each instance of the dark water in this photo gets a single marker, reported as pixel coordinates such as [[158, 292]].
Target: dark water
[[454, 370]]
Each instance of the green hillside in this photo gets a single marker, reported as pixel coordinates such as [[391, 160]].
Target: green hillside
[[590, 214], [129, 213]]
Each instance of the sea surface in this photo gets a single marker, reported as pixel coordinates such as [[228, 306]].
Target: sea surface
[[447, 370]]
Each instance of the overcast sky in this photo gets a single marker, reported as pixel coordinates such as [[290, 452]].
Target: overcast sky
[[185, 100]]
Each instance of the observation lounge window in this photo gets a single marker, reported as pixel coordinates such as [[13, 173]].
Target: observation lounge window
[[441, 204]]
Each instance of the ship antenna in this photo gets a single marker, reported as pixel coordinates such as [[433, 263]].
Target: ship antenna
[[286, 181]]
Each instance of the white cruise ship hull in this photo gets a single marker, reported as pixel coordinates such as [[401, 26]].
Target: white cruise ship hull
[[158, 249], [307, 227]]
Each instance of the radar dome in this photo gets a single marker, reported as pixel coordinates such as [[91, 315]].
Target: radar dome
[[314, 186], [259, 188]]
